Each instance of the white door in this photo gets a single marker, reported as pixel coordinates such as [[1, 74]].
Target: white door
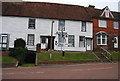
[[89, 44], [116, 42], [44, 42]]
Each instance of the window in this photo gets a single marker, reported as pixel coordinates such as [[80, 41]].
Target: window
[[102, 39], [61, 25], [82, 41], [30, 40], [3, 42], [43, 39], [83, 29], [102, 23], [60, 40], [115, 25], [107, 13], [31, 23], [71, 41]]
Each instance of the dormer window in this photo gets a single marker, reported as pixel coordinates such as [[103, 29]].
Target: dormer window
[[107, 13]]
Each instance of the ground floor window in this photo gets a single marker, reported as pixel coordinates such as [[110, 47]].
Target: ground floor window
[[30, 39], [81, 41], [71, 39], [101, 39], [3, 42]]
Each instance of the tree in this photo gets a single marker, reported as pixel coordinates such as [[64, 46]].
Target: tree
[[19, 43]]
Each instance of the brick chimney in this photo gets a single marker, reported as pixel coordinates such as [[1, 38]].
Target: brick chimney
[[91, 6]]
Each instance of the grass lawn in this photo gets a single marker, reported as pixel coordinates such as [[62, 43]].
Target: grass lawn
[[8, 59], [68, 56], [115, 55]]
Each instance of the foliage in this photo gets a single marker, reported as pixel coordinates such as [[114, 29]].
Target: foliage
[[19, 43], [19, 53]]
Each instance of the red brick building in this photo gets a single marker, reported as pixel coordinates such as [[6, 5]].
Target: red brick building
[[106, 26]]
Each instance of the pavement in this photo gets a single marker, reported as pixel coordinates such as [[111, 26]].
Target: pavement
[[74, 71]]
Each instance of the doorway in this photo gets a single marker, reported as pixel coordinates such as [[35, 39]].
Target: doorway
[[88, 44], [116, 42]]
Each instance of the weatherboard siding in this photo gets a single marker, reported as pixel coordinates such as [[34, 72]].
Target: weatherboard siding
[[17, 27]]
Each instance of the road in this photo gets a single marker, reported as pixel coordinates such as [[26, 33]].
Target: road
[[78, 71]]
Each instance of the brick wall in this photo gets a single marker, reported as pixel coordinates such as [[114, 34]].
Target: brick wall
[[4, 53], [109, 30]]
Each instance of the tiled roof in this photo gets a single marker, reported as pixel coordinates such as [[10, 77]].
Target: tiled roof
[[96, 13], [45, 10], [53, 10]]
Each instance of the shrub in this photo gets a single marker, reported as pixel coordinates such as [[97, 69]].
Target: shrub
[[19, 43], [19, 53], [30, 57]]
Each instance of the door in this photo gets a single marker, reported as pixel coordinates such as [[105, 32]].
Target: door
[[44, 42], [116, 42], [89, 44]]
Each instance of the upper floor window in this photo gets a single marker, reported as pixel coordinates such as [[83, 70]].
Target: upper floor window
[[83, 28], [103, 23], [115, 25], [30, 39], [71, 41], [61, 26], [31, 23], [107, 13]]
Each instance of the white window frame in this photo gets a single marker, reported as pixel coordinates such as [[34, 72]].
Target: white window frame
[[73, 41], [107, 13], [101, 39], [31, 23], [61, 26], [83, 27], [101, 23], [30, 42], [117, 25], [4, 41]]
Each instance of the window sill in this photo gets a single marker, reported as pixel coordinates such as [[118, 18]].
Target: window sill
[[102, 44], [102, 27]]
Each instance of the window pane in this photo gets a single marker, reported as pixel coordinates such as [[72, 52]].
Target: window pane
[[99, 41], [31, 23], [107, 13], [4, 46], [4, 40], [61, 25], [71, 41], [116, 25], [83, 29], [43, 39], [102, 23], [30, 40], [103, 41], [82, 41]]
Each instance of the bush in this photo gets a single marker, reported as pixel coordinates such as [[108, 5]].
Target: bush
[[19, 43], [19, 53], [30, 57]]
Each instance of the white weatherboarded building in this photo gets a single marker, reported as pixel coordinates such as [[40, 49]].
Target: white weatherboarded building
[[33, 22]]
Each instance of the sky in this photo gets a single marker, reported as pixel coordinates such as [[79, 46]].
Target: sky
[[100, 4]]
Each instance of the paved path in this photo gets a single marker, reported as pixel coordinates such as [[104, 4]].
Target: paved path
[[81, 71]]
